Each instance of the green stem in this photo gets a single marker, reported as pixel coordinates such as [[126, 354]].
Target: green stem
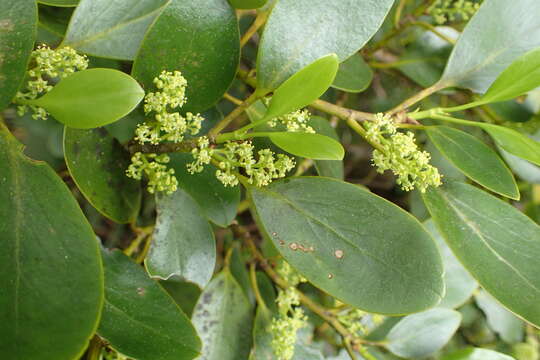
[[362, 132], [240, 135], [418, 97], [432, 28], [456, 120], [234, 114]]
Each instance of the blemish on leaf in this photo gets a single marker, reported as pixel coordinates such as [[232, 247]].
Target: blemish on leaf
[[330, 276], [141, 291], [339, 254]]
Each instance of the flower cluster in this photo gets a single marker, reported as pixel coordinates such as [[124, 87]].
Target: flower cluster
[[450, 10], [240, 155], [168, 125], [295, 121], [401, 155], [291, 317], [49, 65], [153, 166]]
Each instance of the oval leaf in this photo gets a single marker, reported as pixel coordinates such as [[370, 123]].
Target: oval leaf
[[49, 257], [353, 76], [199, 38], [61, 3], [218, 203], [475, 159], [477, 354], [248, 4], [514, 142], [352, 244], [311, 146], [300, 31], [112, 29], [522, 76], [329, 168], [304, 87], [460, 285], [419, 335], [507, 325], [139, 318], [18, 24], [479, 57], [92, 98], [223, 318], [183, 244], [497, 244], [97, 163]]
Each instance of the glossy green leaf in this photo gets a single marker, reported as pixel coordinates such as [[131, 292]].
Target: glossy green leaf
[[522, 76], [514, 142], [139, 318], [460, 285], [419, 335], [183, 245], [522, 168], [499, 33], [218, 203], [497, 244], [509, 327], [303, 87], [311, 146], [54, 20], [247, 4], [97, 163], [199, 38], [62, 3], [477, 354], [185, 294], [352, 244], [18, 24], [475, 159], [300, 31], [92, 98], [49, 257], [329, 168], [354, 75], [223, 318], [112, 29]]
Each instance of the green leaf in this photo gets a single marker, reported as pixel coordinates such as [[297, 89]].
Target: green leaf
[[522, 76], [460, 285], [218, 203], [185, 294], [112, 29], [183, 245], [477, 354], [91, 98], [52, 280], [312, 146], [419, 335], [514, 142], [352, 244], [199, 38], [18, 26], [353, 76], [475, 159], [299, 32], [61, 3], [329, 168], [247, 4], [507, 325], [497, 244], [97, 163], [223, 318], [140, 319], [499, 33], [304, 87]]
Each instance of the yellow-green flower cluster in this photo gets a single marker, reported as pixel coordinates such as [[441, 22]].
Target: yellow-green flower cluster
[[49, 66], [352, 320], [291, 317], [451, 10], [295, 121], [168, 125], [153, 166], [401, 155], [237, 156]]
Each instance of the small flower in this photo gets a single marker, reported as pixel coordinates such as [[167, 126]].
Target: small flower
[[160, 179], [401, 155], [444, 11], [202, 155], [49, 65], [295, 121]]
